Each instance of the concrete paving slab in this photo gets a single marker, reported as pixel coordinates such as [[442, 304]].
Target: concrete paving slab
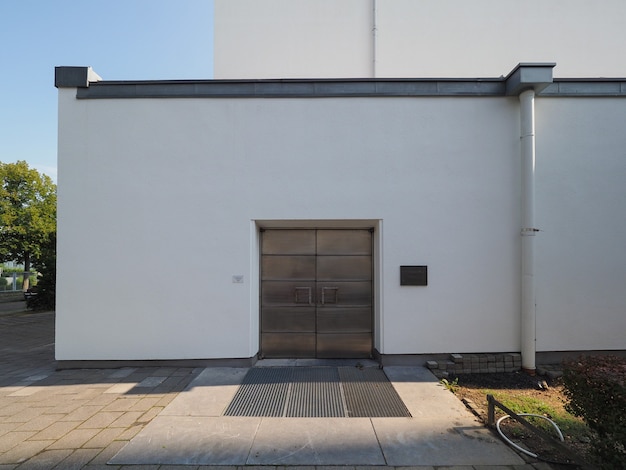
[[192, 431], [410, 442], [219, 376], [316, 441], [277, 363], [26, 450], [121, 388], [423, 394], [36, 378], [48, 459], [27, 391], [122, 373], [151, 382], [209, 394], [186, 440]]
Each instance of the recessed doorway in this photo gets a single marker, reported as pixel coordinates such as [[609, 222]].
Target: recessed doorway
[[316, 293]]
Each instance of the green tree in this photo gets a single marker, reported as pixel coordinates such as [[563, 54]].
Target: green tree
[[46, 285], [27, 214]]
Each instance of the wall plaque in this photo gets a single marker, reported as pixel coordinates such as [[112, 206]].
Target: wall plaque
[[413, 275]]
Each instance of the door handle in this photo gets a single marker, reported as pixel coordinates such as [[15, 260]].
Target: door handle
[[335, 290], [303, 295]]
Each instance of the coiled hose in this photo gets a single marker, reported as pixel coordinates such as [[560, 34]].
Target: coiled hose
[[513, 444]]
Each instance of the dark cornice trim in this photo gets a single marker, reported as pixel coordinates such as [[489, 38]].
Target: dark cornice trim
[[536, 76]]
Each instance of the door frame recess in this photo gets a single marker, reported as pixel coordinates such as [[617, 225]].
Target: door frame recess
[[373, 225]]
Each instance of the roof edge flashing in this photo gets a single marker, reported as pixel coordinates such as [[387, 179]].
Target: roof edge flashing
[[529, 75], [74, 77]]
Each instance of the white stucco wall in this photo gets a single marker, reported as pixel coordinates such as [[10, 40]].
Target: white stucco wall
[[150, 186], [416, 38], [581, 212], [481, 38], [293, 38]]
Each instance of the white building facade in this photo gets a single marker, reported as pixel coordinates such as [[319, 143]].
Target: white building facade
[[430, 170], [317, 208], [416, 38]]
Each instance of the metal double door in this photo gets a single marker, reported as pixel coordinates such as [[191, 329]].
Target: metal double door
[[316, 293]]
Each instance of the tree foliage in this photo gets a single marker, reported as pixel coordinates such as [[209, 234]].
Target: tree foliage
[[46, 285], [27, 214]]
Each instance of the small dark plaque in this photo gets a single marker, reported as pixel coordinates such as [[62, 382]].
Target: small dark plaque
[[413, 275]]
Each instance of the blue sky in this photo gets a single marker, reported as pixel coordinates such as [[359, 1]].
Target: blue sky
[[120, 39]]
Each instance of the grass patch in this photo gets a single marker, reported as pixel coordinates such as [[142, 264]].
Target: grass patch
[[568, 423], [523, 393]]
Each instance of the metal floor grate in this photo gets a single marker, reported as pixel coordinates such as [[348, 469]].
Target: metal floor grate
[[316, 392]]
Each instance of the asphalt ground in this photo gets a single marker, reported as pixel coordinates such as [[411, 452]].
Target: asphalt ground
[[11, 304]]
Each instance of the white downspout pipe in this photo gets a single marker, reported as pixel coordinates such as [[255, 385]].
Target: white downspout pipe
[[528, 313], [374, 37]]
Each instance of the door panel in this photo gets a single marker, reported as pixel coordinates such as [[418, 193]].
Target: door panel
[[346, 345], [344, 242], [289, 319], [347, 320], [287, 293], [316, 293], [288, 242], [357, 268], [344, 293], [288, 267], [288, 344]]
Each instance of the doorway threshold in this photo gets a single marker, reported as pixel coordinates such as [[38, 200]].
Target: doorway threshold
[[314, 362]]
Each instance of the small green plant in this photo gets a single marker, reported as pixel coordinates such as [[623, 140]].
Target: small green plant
[[452, 386]]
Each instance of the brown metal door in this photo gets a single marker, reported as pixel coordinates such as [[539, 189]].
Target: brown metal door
[[316, 293]]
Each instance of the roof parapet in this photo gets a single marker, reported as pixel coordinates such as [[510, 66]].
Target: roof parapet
[[74, 77], [525, 76]]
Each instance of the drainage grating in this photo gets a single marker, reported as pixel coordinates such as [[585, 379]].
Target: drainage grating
[[369, 394], [262, 393], [316, 392]]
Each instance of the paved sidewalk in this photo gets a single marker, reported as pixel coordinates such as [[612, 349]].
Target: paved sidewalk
[[80, 419]]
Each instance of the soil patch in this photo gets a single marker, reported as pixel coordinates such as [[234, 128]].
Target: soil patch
[[526, 394]]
